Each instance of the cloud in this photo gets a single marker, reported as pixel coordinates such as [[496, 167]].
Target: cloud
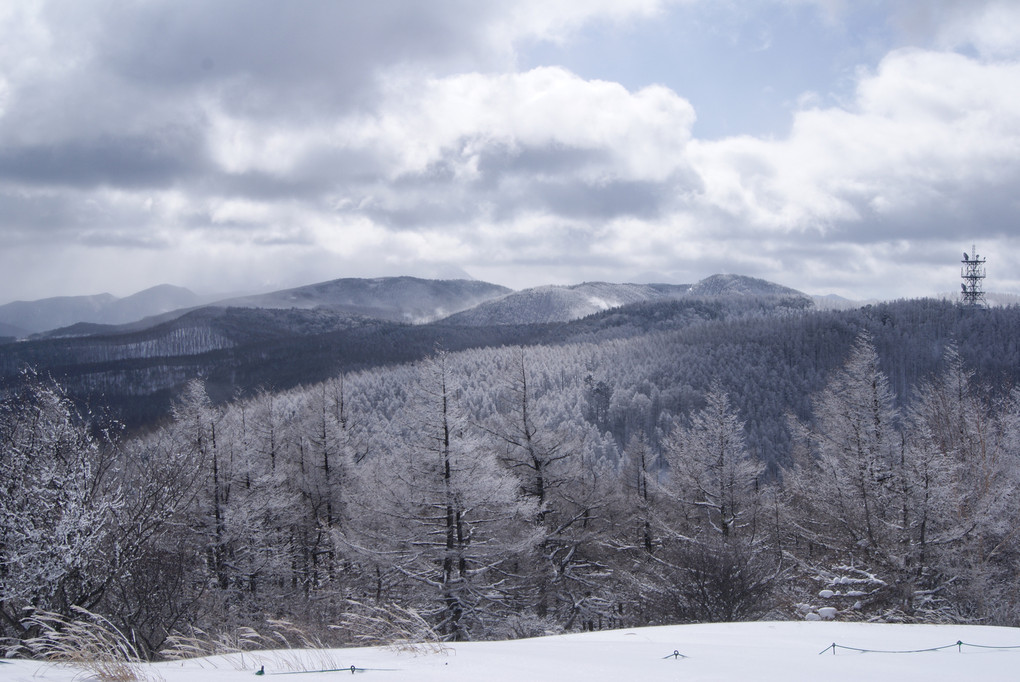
[[989, 27], [638, 136], [927, 135], [119, 161], [440, 150], [260, 141], [263, 102]]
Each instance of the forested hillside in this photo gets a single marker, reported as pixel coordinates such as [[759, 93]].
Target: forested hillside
[[674, 461], [136, 372], [770, 352]]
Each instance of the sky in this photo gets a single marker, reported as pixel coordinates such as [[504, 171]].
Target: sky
[[853, 147]]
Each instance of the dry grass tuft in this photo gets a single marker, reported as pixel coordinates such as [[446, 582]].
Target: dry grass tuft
[[91, 643], [283, 646], [392, 626], [197, 643]]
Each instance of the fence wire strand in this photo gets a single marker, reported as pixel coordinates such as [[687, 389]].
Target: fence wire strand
[[958, 645]]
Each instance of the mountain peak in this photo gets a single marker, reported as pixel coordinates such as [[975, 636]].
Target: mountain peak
[[739, 285], [401, 299], [32, 317]]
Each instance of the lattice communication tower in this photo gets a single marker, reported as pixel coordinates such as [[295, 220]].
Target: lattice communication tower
[[973, 272]]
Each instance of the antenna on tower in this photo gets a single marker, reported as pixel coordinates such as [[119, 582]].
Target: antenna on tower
[[973, 272]]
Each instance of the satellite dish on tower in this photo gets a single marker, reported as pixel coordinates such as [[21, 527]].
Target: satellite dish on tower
[[973, 273]]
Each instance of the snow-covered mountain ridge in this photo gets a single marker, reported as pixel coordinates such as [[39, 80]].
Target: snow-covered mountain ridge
[[397, 299], [564, 303], [394, 299]]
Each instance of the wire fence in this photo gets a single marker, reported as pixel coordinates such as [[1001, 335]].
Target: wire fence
[[958, 645]]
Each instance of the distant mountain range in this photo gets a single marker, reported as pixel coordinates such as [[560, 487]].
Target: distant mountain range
[[22, 318], [135, 372], [394, 299], [306, 334]]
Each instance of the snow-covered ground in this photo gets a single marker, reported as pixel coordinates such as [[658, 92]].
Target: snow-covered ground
[[738, 651]]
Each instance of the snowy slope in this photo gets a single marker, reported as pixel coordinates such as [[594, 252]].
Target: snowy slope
[[738, 651], [561, 303], [402, 299], [564, 303], [739, 285]]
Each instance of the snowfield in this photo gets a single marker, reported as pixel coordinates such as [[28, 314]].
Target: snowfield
[[732, 651]]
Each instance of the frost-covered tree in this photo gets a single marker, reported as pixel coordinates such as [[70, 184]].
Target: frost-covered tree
[[59, 499], [530, 448], [888, 510], [439, 518], [639, 483], [713, 479], [194, 434], [584, 588], [848, 479], [161, 578], [543, 459], [260, 503], [715, 563], [964, 482], [330, 433]]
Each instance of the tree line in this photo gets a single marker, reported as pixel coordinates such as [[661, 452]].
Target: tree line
[[515, 491]]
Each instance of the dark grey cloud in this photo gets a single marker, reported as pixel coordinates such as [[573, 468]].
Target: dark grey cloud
[[264, 186], [286, 59], [608, 200], [41, 220], [133, 161], [124, 101], [948, 208], [422, 213], [555, 178], [27, 216], [504, 192], [497, 161]]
